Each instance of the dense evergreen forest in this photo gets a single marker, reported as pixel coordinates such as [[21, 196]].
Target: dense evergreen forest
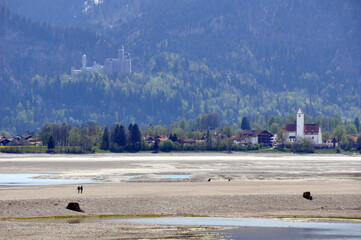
[[260, 59]]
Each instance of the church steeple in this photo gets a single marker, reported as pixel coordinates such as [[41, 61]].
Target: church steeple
[[300, 130]]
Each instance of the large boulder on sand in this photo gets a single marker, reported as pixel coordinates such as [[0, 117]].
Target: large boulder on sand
[[307, 195], [74, 206]]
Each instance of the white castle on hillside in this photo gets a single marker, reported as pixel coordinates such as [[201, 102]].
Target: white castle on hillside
[[122, 65]]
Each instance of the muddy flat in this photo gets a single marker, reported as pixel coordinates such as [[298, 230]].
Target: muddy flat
[[177, 184]]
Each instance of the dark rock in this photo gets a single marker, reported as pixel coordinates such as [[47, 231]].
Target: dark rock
[[74, 206], [307, 195]]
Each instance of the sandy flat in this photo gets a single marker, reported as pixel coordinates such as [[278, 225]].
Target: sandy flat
[[241, 185]]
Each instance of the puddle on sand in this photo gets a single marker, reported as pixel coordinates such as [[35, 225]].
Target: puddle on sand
[[176, 176], [32, 180], [168, 176], [271, 229]]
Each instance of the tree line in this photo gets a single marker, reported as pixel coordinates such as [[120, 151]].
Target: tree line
[[206, 133]]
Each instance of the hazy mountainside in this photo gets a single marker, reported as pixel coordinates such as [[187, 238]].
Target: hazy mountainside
[[238, 58], [39, 48]]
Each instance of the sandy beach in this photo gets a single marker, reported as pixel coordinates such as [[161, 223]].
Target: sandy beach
[[241, 185]]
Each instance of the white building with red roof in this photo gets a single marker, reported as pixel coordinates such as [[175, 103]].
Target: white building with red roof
[[297, 131], [253, 137]]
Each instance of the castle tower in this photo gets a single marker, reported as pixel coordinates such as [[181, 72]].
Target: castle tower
[[129, 64], [300, 129], [121, 54], [84, 62]]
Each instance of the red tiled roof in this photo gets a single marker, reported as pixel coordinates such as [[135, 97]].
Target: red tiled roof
[[309, 128], [312, 128], [290, 127]]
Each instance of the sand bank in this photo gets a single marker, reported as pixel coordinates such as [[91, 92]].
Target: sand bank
[[261, 185]]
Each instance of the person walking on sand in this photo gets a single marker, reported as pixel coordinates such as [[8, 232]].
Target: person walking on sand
[[81, 189], [78, 189]]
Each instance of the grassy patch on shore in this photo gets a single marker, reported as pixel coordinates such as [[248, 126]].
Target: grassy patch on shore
[[92, 216], [269, 150], [23, 149], [329, 151], [85, 216]]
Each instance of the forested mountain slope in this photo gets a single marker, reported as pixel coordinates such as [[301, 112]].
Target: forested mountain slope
[[238, 58]]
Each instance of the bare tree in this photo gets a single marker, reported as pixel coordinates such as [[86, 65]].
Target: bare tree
[[282, 137]]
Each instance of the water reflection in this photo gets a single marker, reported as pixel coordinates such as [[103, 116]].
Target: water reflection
[[249, 228], [241, 228]]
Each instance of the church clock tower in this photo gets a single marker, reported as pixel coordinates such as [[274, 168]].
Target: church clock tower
[[300, 130]]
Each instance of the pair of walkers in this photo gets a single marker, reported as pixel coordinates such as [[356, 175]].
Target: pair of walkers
[[80, 189]]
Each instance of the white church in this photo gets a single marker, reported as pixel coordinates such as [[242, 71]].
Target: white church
[[301, 130]]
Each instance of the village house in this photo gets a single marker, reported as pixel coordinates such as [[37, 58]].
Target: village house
[[35, 141], [297, 131], [161, 138], [331, 143], [4, 141], [158, 138], [148, 139], [186, 140], [253, 137]]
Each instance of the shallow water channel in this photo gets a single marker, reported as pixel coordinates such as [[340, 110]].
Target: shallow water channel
[[244, 228], [256, 228], [7, 180], [33, 179]]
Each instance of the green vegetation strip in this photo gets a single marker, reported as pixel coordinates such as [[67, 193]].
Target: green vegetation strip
[[93, 216], [88, 216]]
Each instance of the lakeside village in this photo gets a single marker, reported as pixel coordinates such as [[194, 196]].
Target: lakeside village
[[297, 137]]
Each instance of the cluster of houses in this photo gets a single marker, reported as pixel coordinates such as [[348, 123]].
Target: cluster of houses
[[18, 140], [295, 132], [245, 138]]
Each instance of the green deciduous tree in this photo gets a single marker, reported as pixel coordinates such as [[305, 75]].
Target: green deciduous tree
[[304, 146], [275, 127], [167, 146], [345, 143], [210, 121], [183, 124], [325, 136], [351, 129], [228, 130], [339, 132], [74, 136], [45, 133], [209, 140], [357, 124], [179, 132]]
